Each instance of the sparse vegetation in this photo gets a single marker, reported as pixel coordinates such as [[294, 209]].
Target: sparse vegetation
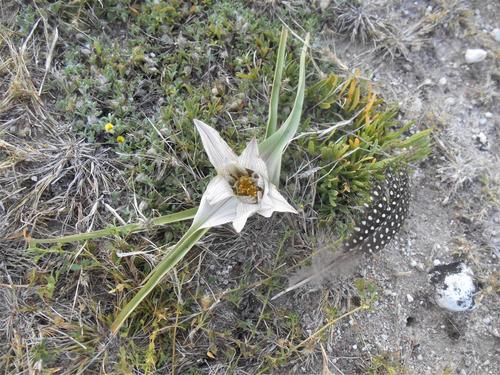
[[97, 131]]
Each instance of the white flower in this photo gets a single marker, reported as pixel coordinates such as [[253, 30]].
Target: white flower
[[241, 187]]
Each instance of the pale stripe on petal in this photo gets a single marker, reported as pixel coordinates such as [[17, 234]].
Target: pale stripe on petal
[[218, 151], [274, 201], [243, 212], [250, 159], [217, 190]]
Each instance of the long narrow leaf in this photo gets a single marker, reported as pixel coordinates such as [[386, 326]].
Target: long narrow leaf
[[272, 148], [275, 90], [119, 230], [169, 262]]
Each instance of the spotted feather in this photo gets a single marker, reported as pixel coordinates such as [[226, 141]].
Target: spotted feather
[[378, 224], [384, 215]]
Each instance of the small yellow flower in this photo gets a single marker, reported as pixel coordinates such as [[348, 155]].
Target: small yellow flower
[[120, 139], [108, 128]]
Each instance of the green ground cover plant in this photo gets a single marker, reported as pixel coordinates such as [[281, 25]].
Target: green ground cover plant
[[128, 79]]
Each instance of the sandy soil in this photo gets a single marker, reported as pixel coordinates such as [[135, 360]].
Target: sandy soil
[[451, 215]]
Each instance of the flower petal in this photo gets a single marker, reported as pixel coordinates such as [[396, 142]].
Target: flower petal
[[243, 212], [274, 201], [250, 159], [218, 151], [218, 190], [220, 213]]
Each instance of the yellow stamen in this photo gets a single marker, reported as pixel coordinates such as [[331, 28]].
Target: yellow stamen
[[245, 186]]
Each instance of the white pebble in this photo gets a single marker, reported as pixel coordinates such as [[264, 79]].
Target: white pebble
[[496, 34], [454, 286], [475, 55], [323, 4], [488, 115], [436, 262], [409, 298], [442, 81], [482, 121]]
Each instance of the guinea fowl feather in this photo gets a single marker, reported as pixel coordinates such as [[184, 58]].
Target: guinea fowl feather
[[378, 223]]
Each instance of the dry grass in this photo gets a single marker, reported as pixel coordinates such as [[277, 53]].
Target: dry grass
[[49, 182], [213, 314], [46, 173], [381, 25]]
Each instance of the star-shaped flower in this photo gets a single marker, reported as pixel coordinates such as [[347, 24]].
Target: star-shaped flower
[[241, 187]]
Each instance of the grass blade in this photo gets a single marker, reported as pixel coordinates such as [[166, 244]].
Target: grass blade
[[170, 261]]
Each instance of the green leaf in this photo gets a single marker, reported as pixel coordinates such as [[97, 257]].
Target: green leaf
[[272, 148], [275, 90], [170, 261]]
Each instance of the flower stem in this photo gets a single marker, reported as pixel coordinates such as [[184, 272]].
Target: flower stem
[[119, 230]]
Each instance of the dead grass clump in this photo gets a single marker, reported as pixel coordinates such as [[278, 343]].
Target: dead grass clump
[[361, 23], [379, 26], [49, 181], [55, 179], [45, 173]]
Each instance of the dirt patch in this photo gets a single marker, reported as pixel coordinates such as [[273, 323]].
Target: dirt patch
[[452, 214]]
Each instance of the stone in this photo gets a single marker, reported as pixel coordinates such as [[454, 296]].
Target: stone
[[475, 55], [496, 34], [454, 286]]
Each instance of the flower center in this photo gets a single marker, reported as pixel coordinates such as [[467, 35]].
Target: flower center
[[246, 186]]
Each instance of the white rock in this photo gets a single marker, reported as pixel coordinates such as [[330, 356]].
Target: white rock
[[481, 137], [454, 286], [409, 298], [442, 81], [488, 115], [475, 55], [436, 262], [482, 121], [496, 34]]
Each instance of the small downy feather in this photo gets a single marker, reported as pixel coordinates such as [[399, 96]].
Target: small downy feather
[[377, 225]]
